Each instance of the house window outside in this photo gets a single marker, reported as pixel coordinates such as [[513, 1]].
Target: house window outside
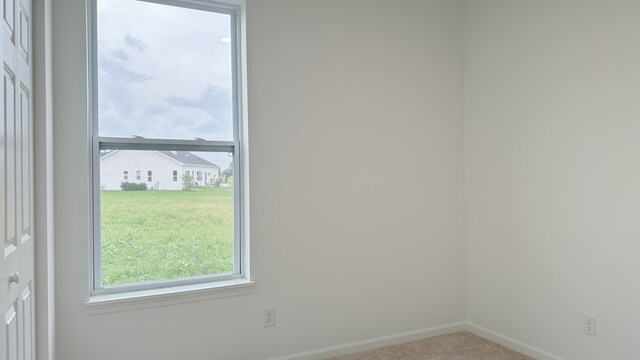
[[129, 80], [126, 175]]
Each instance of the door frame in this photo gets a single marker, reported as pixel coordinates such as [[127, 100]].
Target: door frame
[[43, 179]]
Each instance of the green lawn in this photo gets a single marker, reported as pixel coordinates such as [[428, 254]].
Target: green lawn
[[159, 235]]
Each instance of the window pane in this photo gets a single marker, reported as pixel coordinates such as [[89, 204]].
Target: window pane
[[163, 71], [162, 229]]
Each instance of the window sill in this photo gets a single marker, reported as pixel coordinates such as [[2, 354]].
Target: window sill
[[103, 304]]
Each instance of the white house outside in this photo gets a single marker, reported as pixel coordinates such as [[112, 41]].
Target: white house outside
[[159, 170]]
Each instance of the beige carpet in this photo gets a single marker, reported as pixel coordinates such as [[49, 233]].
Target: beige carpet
[[458, 346]]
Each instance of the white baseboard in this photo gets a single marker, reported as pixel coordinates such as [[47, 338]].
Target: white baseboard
[[511, 343], [409, 336], [375, 343]]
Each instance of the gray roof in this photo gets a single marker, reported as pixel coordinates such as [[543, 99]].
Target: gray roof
[[183, 157], [187, 158]]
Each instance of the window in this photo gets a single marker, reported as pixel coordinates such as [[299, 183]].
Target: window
[[165, 92], [126, 175]]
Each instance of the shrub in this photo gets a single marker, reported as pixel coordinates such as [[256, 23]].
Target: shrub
[[187, 182], [127, 186]]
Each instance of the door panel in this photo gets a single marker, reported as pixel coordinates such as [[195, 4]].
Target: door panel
[[24, 33], [9, 14], [26, 323], [11, 335], [25, 161], [10, 154]]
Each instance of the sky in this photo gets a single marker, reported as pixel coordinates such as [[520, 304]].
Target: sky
[[164, 72]]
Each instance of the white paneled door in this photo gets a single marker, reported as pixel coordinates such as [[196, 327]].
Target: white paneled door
[[16, 184]]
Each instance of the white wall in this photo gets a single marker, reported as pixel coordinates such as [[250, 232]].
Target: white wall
[[552, 171], [346, 85]]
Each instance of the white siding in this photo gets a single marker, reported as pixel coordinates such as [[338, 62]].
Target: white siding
[[112, 169], [209, 174]]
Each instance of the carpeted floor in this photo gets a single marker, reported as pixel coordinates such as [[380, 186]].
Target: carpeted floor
[[458, 346]]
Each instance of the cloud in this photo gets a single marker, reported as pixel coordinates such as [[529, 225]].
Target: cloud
[[120, 55], [157, 109], [135, 43], [214, 101], [117, 70]]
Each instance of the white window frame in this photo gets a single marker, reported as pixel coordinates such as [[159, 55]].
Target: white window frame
[[234, 147]]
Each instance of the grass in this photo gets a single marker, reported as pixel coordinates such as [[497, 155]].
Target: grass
[[161, 235]]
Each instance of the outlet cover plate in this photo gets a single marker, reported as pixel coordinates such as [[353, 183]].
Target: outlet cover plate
[[589, 324]]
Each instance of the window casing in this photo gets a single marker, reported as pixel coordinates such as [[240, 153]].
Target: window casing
[[126, 175], [232, 147]]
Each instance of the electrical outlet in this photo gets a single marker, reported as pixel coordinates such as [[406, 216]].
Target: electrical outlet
[[589, 324], [270, 317]]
